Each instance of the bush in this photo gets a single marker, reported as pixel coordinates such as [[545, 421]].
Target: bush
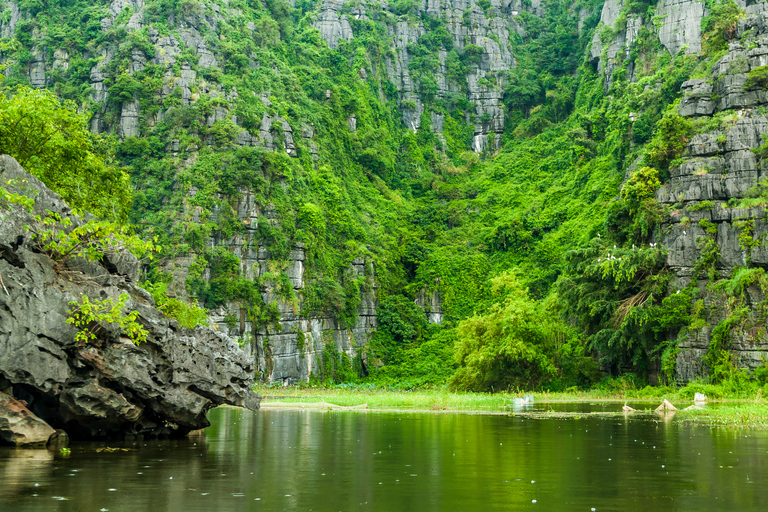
[[506, 348]]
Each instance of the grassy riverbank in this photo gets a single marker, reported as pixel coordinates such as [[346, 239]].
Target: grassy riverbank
[[733, 409]]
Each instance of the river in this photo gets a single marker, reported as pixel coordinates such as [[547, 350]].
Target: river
[[304, 460]]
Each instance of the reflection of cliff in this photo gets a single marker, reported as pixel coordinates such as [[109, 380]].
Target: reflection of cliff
[[20, 469], [311, 460]]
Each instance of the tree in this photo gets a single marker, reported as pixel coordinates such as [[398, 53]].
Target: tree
[[51, 140], [506, 347]]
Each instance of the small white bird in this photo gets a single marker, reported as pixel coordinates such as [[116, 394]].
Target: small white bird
[[678, 291]]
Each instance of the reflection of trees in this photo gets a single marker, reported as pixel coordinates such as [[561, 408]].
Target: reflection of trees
[[335, 460]]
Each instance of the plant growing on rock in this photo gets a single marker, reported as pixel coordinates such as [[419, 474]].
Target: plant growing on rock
[[188, 315], [93, 240], [90, 316], [9, 198]]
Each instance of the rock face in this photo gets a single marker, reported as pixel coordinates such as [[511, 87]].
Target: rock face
[[108, 387], [19, 426], [676, 24], [718, 169], [468, 24], [290, 350]]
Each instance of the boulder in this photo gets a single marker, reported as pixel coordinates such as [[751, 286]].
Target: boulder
[[19, 426], [107, 387]]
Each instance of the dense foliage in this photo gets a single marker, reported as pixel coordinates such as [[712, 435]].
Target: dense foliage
[[539, 253], [50, 139]]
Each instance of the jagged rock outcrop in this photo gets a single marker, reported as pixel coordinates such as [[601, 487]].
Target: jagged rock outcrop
[[110, 386], [718, 169], [676, 24], [290, 350]]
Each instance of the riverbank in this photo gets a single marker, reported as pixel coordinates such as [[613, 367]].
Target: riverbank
[[730, 411]]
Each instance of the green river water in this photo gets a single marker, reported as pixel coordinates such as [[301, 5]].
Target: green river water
[[302, 460]]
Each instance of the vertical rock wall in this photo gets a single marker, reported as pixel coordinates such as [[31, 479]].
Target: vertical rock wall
[[468, 24], [718, 169]]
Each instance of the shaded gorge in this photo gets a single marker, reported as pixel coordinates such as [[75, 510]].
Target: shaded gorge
[[401, 461]]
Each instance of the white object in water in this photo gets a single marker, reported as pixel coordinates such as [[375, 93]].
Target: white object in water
[[699, 397]]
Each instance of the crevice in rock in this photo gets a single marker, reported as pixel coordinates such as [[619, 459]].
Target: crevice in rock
[[9, 254]]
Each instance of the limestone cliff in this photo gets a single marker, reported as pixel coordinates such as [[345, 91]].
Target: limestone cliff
[[718, 169], [468, 24]]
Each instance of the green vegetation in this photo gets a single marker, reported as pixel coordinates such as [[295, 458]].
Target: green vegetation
[[728, 408], [92, 240], [188, 315], [540, 253], [51, 140], [91, 316]]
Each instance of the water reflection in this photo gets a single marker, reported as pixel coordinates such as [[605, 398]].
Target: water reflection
[[331, 461]]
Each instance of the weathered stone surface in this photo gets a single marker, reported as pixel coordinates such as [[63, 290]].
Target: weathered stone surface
[[110, 386], [332, 24], [8, 28], [680, 25], [37, 68], [432, 303], [720, 167], [19, 426], [129, 119], [697, 99], [467, 23]]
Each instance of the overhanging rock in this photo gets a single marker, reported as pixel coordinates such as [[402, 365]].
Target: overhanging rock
[[108, 387]]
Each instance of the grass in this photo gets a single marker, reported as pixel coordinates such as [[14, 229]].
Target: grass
[[733, 410], [752, 415]]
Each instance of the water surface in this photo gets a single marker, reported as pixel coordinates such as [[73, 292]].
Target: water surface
[[375, 461]]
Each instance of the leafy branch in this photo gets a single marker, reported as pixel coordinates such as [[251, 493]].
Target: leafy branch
[[55, 236], [90, 316]]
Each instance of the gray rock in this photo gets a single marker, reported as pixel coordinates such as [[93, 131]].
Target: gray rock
[[697, 99], [8, 29], [681, 25], [37, 68], [332, 24], [129, 119], [109, 386]]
